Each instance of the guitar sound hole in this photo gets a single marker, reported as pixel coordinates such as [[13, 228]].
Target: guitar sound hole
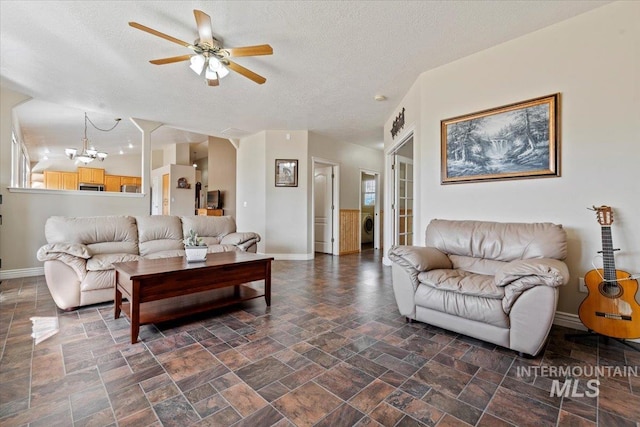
[[610, 289]]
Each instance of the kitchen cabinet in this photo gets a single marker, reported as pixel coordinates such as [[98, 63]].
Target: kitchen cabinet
[[69, 181], [115, 182], [91, 175], [112, 182], [58, 180], [53, 180]]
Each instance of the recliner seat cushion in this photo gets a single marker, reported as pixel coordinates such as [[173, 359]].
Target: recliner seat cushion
[[481, 309], [462, 282]]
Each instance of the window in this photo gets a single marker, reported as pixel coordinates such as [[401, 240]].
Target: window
[[369, 193]]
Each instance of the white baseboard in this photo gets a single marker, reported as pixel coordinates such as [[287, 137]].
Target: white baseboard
[[21, 272], [291, 257], [568, 320]]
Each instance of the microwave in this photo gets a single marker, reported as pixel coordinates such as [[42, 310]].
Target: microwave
[[90, 187]]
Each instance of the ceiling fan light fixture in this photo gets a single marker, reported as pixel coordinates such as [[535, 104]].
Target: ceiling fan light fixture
[[218, 67], [209, 74], [197, 63]]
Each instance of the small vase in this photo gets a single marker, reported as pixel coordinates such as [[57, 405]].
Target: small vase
[[195, 253]]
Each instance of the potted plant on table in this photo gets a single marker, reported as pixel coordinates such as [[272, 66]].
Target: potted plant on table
[[194, 249]]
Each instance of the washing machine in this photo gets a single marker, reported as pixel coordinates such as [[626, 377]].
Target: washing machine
[[367, 227]]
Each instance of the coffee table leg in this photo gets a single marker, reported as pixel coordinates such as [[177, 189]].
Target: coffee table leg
[[267, 283], [118, 300], [135, 312]]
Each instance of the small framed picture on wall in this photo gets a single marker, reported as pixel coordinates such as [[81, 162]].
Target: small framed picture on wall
[[286, 173]]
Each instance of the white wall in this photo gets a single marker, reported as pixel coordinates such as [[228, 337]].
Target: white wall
[[352, 159], [250, 185], [222, 172], [593, 61], [182, 200], [287, 208]]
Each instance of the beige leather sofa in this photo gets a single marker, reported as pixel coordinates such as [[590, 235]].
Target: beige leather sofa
[[80, 251], [497, 282]]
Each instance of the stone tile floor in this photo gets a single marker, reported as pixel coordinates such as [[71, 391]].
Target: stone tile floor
[[331, 351]]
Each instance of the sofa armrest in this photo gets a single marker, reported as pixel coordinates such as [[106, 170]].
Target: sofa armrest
[[535, 271], [52, 250], [243, 240], [419, 258]]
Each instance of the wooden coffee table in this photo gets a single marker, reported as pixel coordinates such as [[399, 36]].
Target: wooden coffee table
[[168, 288]]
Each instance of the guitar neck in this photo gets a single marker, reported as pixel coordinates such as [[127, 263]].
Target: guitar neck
[[608, 263]]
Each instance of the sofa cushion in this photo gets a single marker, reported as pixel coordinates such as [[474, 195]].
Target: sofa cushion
[[462, 282], [101, 234], [211, 229], [157, 233], [497, 241], [171, 253], [101, 262], [481, 309]]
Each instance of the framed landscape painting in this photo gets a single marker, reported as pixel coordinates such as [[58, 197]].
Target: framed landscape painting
[[510, 142]]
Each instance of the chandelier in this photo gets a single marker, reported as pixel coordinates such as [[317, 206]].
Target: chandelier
[[88, 154]]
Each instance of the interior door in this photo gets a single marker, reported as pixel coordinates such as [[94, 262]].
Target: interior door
[[323, 209], [165, 194], [403, 200]]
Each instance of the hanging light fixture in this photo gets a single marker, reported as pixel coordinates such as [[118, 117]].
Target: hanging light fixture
[[88, 154]]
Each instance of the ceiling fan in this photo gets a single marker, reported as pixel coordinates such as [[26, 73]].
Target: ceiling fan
[[208, 54]]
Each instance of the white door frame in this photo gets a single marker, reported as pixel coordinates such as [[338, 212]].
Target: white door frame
[[335, 217], [376, 219], [389, 189]]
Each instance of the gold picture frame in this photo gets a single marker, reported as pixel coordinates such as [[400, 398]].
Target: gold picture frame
[[514, 141], [286, 173]]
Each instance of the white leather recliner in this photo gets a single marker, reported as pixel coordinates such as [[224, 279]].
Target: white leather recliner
[[497, 282]]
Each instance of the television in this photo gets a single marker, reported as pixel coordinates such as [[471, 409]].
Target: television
[[214, 199]]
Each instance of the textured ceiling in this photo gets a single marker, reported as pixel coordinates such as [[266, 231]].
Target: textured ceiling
[[330, 59]]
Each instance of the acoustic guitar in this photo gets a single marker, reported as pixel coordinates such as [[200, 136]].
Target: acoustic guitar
[[610, 308]]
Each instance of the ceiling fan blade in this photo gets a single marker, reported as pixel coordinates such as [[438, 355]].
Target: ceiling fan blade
[[245, 72], [214, 82], [204, 27], [171, 60], [262, 49], [161, 35]]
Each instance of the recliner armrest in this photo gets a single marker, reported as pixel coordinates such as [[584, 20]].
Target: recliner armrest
[[534, 271], [419, 258]]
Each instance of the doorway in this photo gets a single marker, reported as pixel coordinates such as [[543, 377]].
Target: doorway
[[325, 207], [403, 197], [369, 210], [165, 194]]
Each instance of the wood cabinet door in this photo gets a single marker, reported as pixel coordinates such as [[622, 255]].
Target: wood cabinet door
[[69, 181], [97, 176], [53, 180], [127, 180], [91, 175], [112, 182], [84, 175]]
